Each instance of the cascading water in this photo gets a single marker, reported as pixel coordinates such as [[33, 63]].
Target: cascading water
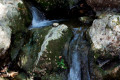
[[39, 19], [75, 72], [78, 52]]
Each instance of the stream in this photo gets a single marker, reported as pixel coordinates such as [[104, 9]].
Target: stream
[[39, 20], [78, 48], [78, 52]]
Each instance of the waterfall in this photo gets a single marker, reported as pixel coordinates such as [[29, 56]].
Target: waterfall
[[75, 72], [37, 17], [78, 52], [78, 49], [39, 20]]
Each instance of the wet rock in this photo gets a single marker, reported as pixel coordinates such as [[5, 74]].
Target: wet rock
[[104, 34], [14, 15], [102, 5], [11, 21], [55, 24], [5, 36], [42, 52], [86, 19]]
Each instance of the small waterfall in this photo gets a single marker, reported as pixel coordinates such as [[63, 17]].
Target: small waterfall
[[78, 52], [39, 20], [37, 16], [75, 72]]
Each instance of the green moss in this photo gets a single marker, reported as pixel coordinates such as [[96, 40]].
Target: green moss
[[49, 62], [21, 20], [56, 47], [32, 48]]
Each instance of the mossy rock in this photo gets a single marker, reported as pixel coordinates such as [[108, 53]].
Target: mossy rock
[[21, 20], [29, 50], [14, 18], [50, 57]]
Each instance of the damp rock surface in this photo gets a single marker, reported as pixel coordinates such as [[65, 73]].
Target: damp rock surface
[[43, 52], [104, 36], [11, 21], [102, 5]]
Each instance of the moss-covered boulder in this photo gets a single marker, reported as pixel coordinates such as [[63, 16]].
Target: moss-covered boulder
[[43, 52], [13, 18]]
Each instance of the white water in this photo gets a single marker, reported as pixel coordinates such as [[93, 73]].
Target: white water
[[75, 72], [39, 19], [53, 34], [78, 53]]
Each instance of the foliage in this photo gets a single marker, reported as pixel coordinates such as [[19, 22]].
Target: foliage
[[61, 64]]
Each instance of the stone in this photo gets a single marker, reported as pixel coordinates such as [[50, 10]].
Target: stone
[[105, 32], [5, 39], [41, 53], [55, 24], [103, 5], [11, 21], [85, 19], [104, 36]]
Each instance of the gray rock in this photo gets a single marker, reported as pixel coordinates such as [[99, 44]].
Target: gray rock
[[104, 34], [105, 44]]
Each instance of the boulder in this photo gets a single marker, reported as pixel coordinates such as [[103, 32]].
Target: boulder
[[43, 52], [13, 18], [102, 5], [104, 36]]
